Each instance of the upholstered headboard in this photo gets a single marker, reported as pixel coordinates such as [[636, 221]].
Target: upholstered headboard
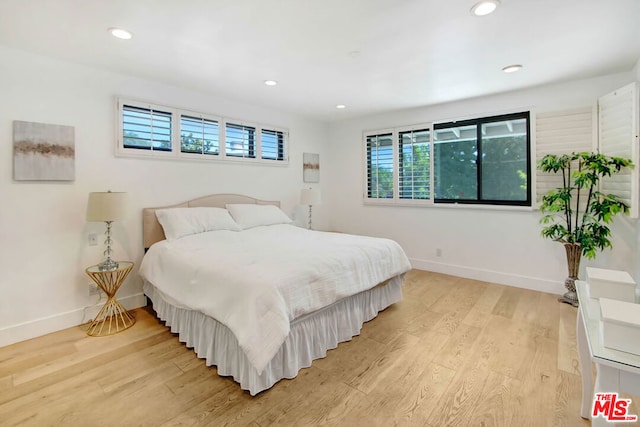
[[152, 230]]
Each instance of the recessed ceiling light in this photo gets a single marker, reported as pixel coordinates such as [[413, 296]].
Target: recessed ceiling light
[[341, 106], [484, 7], [120, 33], [270, 82], [512, 68]]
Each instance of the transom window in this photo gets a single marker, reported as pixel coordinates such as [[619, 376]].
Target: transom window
[[272, 144], [147, 130], [199, 136], [240, 140]]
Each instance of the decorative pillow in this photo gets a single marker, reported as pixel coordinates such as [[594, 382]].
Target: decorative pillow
[[180, 222], [249, 215]]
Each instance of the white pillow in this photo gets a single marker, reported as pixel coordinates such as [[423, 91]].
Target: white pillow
[[249, 215], [179, 222]]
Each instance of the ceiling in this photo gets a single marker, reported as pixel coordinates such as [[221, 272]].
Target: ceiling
[[370, 55]]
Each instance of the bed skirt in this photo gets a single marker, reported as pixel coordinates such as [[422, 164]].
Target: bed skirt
[[310, 336]]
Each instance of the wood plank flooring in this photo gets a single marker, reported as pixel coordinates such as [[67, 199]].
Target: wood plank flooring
[[454, 352]]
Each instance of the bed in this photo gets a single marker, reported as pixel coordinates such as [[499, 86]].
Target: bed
[[256, 296]]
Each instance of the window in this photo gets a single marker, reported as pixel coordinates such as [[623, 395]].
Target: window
[[146, 130], [272, 144], [240, 140], [477, 161], [199, 135], [483, 161], [380, 166], [414, 164]]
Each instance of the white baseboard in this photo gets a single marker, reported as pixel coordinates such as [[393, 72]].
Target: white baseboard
[[526, 282], [38, 327]]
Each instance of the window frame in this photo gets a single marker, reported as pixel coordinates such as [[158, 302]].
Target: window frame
[[280, 150], [478, 122], [252, 145], [176, 140], [397, 142], [201, 116], [140, 152], [431, 201], [378, 133]]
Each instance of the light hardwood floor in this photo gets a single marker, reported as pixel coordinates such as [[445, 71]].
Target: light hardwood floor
[[453, 352]]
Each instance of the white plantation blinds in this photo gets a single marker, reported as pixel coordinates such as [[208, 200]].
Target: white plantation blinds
[[379, 166], [146, 128], [414, 164], [272, 144], [240, 140], [155, 131], [199, 135], [618, 136], [561, 132], [570, 131]]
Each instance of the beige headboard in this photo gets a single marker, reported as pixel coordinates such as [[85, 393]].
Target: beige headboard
[[152, 230]]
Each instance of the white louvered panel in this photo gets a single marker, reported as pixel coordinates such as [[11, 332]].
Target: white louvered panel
[[618, 136], [561, 132]]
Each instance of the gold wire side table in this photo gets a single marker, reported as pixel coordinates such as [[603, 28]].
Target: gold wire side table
[[112, 317]]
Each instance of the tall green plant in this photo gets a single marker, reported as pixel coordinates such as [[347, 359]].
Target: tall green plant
[[578, 211]]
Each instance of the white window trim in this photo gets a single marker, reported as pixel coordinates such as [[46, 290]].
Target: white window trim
[[176, 152], [134, 152], [178, 139], [396, 201], [413, 202]]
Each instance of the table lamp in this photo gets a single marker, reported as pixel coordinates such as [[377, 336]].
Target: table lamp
[[108, 207], [310, 197]]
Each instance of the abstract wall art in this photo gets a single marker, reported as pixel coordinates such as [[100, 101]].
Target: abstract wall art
[[43, 152], [311, 167]]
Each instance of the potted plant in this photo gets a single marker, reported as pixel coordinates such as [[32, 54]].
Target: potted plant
[[577, 213]]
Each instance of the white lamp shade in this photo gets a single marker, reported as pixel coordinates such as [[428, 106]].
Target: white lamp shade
[[106, 206], [309, 196]]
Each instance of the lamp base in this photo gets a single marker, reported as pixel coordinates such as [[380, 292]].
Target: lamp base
[[108, 265]]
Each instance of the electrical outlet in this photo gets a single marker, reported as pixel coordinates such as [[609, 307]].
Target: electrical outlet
[[438, 252], [93, 289], [93, 239]]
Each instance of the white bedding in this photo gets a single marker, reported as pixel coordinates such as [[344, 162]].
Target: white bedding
[[258, 280]]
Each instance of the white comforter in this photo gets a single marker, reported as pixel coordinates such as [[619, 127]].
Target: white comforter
[[257, 280]]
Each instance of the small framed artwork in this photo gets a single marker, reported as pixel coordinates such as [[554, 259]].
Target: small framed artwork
[[43, 152], [311, 167]]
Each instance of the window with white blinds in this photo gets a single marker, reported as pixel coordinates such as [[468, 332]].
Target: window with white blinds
[[272, 144], [240, 140], [199, 135], [146, 130], [486, 160], [414, 164], [379, 166]]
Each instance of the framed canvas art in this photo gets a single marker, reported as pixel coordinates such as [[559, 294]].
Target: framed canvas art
[[43, 152], [310, 167]]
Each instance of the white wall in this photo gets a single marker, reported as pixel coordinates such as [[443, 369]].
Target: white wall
[[502, 246], [43, 233]]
